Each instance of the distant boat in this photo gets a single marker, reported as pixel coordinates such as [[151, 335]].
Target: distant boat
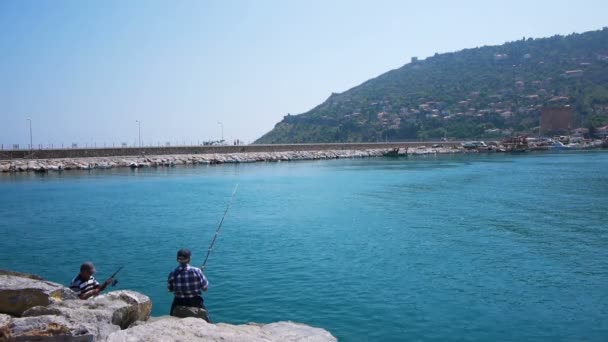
[[469, 145], [516, 144]]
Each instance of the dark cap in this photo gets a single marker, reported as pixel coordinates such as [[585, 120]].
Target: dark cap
[[184, 253], [87, 266]]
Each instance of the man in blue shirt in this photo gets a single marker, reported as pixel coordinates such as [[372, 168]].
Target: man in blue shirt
[[187, 283]]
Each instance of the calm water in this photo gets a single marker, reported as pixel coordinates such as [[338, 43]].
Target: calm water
[[473, 248]]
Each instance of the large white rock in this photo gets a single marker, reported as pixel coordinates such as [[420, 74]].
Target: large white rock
[[5, 327], [138, 307], [194, 329], [51, 328], [18, 293], [118, 308], [290, 331]]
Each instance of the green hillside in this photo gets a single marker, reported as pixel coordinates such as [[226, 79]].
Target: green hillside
[[488, 92]]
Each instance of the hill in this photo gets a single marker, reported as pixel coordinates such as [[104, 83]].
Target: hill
[[488, 91]]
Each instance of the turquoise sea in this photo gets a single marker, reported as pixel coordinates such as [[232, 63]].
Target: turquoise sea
[[446, 248]]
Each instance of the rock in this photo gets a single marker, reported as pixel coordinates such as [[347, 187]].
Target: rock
[[119, 308], [5, 327], [194, 329], [49, 311], [52, 315], [18, 293], [103, 165], [66, 294], [290, 331], [32, 166], [50, 328], [22, 275], [124, 163], [138, 307], [186, 311], [70, 165], [55, 167], [83, 314]]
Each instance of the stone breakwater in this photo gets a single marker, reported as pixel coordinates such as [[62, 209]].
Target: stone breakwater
[[33, 309], [44, 165]]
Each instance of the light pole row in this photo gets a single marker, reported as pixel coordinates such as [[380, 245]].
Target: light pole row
[[31, 145], [222, 126], [138, 132]]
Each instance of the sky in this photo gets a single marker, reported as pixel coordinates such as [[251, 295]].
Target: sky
[[106, 72]]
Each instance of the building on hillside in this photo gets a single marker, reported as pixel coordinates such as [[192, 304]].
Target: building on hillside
[[505, 114], [602, 132], [559, 101], [580, 132], [555, 119], [572, 73]]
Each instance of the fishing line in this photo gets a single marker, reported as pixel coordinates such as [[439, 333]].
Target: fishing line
[[217, 231]]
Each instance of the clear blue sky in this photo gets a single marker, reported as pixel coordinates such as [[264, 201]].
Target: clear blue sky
[[85, 71]]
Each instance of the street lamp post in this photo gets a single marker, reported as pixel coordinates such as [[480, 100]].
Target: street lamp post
[[139, 132], [31, 145], [222, 126]]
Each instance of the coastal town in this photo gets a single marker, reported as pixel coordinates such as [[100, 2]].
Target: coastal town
[[524, 97]]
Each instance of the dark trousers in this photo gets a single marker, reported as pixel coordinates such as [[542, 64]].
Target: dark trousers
[[194, 302]]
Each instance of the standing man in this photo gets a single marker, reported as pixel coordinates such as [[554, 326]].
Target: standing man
[[85, 285], [187, 283]]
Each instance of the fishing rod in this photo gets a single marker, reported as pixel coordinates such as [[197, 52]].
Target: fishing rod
[[217, 231], [115, 281], [115, 273]]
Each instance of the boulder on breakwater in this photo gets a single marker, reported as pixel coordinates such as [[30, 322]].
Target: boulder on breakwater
[[195, 329], [33, 309], [19, 293]]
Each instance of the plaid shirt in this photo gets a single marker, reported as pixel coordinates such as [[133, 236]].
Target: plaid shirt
[[187, 282]]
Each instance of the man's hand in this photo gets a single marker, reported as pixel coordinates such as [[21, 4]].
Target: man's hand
[[89, 294], [105, 284]]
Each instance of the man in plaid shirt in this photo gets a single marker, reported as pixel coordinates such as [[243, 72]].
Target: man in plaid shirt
[[187, 282]]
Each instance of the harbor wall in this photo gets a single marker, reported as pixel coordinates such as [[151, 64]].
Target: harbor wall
[[143, 151]]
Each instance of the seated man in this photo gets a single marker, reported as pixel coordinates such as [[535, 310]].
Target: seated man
[[187, 282], [85, 285]]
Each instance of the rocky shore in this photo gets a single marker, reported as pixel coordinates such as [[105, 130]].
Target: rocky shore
[[45, 165], [33, 309]]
